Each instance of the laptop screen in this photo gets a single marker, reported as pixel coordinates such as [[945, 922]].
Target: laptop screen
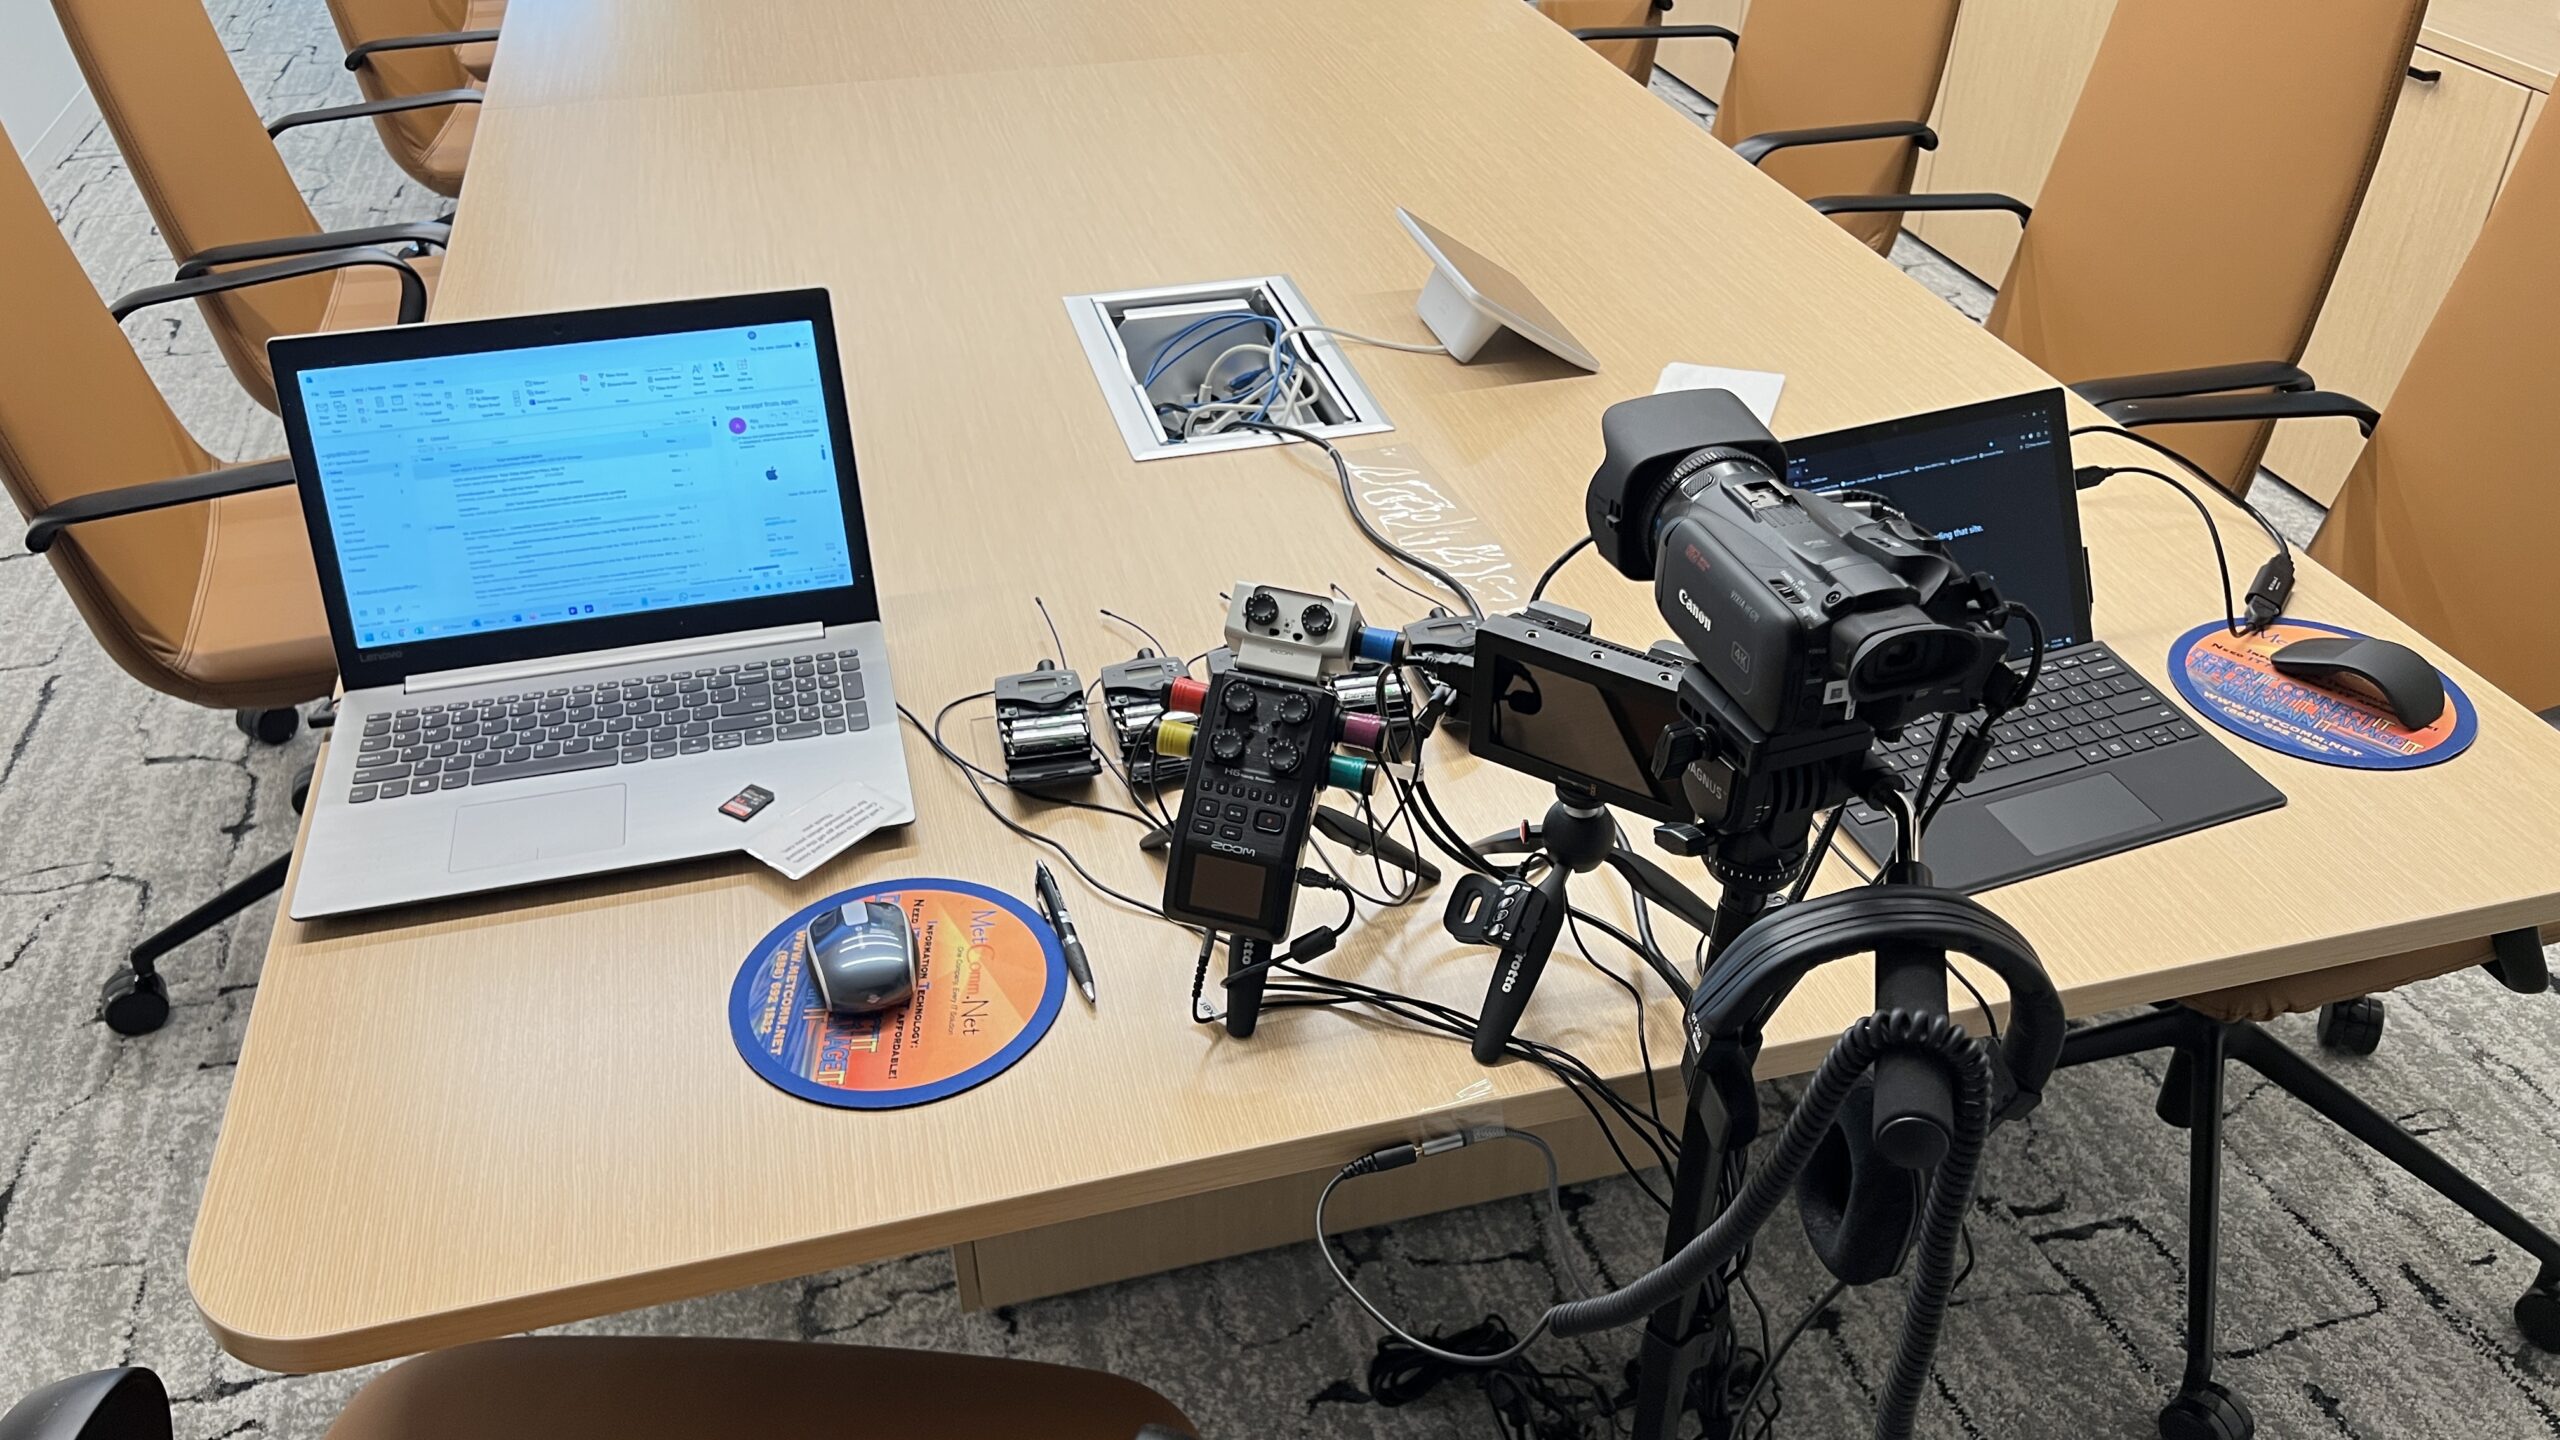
[[1994, 481], [501, 489]]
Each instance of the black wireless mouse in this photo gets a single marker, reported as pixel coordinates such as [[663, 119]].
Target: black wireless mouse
[[2397, 676], [863, 957]]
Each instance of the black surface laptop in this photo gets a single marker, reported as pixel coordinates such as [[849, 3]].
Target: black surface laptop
[[2099, 759]]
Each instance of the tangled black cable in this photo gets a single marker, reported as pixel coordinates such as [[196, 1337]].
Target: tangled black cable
[[1527, 1403]]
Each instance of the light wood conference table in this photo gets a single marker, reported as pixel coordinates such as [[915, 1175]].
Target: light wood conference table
[[491, 1115]]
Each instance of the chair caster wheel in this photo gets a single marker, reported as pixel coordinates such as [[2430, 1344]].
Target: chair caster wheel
[[2538, 1316], [134, 1004], [2207, 1413], [268, 727], [2351, 1027]]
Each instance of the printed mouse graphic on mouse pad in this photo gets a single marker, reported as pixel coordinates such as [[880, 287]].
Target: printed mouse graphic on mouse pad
[[2232, 680], [989, 978]]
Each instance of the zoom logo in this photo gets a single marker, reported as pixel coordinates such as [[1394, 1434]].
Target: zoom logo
[[1696, 613]]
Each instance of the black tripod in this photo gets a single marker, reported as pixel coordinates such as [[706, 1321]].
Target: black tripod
[[1688, 1351], [1686, 1357]]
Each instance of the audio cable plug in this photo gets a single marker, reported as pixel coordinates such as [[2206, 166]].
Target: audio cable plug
[[1396, 1157]]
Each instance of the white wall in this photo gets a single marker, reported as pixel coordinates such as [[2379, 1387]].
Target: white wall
[[43, 104]]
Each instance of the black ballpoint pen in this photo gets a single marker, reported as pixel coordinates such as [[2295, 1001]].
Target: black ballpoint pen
[[1053, 907]]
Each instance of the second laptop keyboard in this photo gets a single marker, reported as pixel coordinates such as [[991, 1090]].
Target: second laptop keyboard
[[2087, 709], [431, 747]]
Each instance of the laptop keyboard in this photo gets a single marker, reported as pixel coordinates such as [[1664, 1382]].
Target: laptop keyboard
[[431, 747], [2087, 709]]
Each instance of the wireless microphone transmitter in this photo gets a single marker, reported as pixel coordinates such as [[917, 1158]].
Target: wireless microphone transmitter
[[1047, 736], [1134, 695]]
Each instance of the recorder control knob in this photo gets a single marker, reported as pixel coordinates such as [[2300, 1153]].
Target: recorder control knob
[[1282, 756], [1227, 745], [1260, 608], [1316, 620], [1239, 700], [1294, 709]]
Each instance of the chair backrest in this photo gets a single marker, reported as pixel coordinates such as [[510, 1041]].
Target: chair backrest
[[2203, 191], [1633, 56], [403, 72], [201, 158], [1804, 64], [78, 414], [2448, 515]]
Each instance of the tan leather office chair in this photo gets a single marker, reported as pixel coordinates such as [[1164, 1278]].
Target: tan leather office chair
[[655, 1388], [392, 60], [1813, 98], [218, 189], [2193, 218], [195, 577], [472, 17], [2444, 521]]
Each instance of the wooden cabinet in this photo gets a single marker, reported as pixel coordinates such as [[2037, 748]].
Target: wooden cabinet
[[2013, 74], [1701, 64], [2532, 112], [2431, 191]]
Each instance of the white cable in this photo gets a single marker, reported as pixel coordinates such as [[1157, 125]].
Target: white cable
[[1285, 336]]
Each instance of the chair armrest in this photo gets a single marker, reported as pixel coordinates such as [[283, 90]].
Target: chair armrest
[[2281, 405], [48, 524], [413, 286], [124, 1404], [1754, 148], [370, 48], [1658, 32], [2209, 380], [1919, 204], [390, 105], [437, 233]]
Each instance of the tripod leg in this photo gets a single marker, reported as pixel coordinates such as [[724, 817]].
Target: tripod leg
[[1695, 1332]]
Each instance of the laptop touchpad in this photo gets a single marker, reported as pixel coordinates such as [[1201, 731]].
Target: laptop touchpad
[[2079, 813], [537, 827]]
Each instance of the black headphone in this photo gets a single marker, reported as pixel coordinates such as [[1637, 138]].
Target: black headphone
[[1861, 1210]]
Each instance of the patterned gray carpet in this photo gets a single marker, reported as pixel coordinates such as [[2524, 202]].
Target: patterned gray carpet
[[2357, 1305]]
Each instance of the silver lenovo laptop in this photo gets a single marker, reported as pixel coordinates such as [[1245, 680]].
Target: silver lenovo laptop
[[590, 577]]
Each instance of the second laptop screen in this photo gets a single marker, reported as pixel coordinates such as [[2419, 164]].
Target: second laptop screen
[[1994, 484], [486, 492]]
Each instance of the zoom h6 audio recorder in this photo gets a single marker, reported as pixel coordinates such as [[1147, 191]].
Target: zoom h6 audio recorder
[[1262, 746]]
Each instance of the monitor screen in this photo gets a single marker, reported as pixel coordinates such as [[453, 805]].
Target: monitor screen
[[477, 493], [1993, 481], [1606, 736]]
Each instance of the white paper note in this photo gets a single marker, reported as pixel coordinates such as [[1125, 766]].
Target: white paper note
[[1757, 389], [819, 831]]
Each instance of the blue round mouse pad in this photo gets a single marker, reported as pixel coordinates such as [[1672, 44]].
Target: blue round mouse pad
[[989, 981], [2233, 682]]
